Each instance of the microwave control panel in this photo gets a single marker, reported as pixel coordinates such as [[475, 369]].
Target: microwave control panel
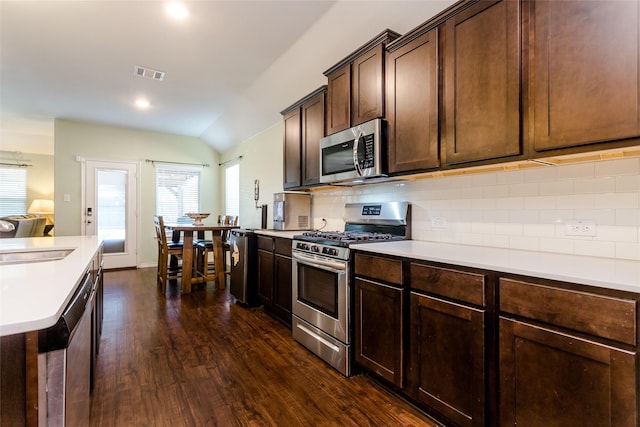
[[366, 157]]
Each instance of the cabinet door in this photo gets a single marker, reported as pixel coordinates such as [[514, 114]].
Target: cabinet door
[[548, 378], [412, 105], [282, 288], [379, 329], [265, 277], [367, 86], [312, 132], [339, 100], [447, 369], [482, 82], [292, 147], [585, 72]]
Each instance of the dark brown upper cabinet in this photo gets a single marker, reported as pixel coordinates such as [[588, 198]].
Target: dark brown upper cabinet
[[303, 129], [367, 86], [338, 100], [355, 86], [481, 90], [312, 131], [292, 147], [412, 104], [584, 73]]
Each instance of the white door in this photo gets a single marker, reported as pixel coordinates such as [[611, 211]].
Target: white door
[[110, 195]]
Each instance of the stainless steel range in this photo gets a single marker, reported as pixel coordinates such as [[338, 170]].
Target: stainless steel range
[[321, 277]]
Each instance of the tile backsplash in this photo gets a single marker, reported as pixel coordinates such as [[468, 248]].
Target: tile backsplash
[[520, 209]]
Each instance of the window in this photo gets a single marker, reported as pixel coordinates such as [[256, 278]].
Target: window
[[177, 192], [13, 191], [232, 190]]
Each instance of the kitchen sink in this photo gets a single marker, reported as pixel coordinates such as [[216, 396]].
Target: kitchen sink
[[22, 257]]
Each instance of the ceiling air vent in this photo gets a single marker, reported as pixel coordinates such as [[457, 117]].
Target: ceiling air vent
[[148, 73]]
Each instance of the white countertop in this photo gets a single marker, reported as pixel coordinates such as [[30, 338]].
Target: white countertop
[[33, 295], [603, 272], [279, 233]]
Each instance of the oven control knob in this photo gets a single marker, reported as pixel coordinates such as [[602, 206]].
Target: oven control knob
[[315, 249], [330, 251]]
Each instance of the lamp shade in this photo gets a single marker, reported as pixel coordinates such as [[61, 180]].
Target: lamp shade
[[41, 206]]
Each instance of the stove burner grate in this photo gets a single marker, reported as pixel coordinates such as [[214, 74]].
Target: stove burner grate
[[350, 236]]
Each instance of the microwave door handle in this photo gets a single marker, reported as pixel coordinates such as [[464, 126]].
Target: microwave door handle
[[356, 142]]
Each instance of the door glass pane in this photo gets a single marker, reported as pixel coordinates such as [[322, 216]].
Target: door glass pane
[[112, 209], [319, 289]]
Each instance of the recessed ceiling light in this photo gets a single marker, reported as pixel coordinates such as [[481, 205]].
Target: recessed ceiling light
[[142, 103], [176, 10]]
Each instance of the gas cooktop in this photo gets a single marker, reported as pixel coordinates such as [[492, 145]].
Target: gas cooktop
[[346, 237], [366, 223]]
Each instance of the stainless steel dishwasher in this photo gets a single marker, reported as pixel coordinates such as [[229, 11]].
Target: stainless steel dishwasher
[[243, 285], [64, 362]]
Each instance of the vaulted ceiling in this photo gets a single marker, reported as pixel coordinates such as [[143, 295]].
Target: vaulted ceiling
[[230, 66]]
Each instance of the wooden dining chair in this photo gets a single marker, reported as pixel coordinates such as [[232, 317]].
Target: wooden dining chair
[[166, 250], [205, 267]]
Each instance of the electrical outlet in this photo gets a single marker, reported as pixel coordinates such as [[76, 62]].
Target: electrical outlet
[[580, 227], [439, 222]]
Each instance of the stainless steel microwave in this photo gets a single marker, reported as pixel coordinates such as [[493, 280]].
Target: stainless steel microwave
[[353, 155]]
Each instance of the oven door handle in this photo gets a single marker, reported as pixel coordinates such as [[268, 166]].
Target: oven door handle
[[331, 266]]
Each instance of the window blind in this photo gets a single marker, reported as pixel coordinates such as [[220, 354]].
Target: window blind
[[13, 191], [232, 189], [177, 192]]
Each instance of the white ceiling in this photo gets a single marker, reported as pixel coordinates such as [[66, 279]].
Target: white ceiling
[[231, 66]]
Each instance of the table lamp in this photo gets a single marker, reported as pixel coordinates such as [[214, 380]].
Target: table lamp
[[43, 207]]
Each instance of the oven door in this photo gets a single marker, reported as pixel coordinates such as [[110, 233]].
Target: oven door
[[321, 293]]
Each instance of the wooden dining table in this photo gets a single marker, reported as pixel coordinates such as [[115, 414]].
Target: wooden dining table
[[187, 231]]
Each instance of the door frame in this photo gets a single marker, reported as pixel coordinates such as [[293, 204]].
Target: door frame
[[136, 207]]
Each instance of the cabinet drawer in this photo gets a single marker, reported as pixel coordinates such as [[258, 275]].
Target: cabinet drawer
[[283, 246], [388, 270], [265, 243], [458, 285], [599, 315]]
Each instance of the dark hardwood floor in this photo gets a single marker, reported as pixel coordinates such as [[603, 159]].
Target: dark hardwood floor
[[199, 359]]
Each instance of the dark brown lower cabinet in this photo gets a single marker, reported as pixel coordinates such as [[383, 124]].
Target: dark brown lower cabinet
[[481, 348], [551, 378], [265, 277], [282, 287], [379, 329], [447, 368], [274, 275]]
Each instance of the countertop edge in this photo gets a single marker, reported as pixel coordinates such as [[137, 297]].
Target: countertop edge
[[286, 234], [610, 273], [17, 315]]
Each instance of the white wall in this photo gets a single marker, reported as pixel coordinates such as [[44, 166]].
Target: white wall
[[522, 209], [39, 177], [262, 159], [98, 142]]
